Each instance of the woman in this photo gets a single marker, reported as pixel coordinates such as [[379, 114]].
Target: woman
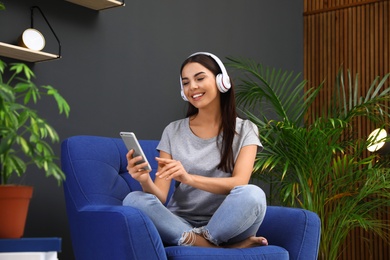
[[210, 154]]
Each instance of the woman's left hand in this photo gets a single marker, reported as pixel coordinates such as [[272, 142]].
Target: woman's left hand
[[172, 169]]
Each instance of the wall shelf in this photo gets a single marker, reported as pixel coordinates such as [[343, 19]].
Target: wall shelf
[[98, 4], [21, 53]]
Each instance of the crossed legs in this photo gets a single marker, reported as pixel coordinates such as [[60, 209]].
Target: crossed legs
[[233, 225]]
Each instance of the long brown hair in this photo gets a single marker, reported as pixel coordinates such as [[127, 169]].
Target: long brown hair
[[228, 112]]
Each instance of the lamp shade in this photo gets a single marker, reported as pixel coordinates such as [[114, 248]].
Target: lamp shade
[[32, 39], [378, 141]]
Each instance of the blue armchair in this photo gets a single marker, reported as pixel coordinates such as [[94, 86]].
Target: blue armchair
[[101, 228]]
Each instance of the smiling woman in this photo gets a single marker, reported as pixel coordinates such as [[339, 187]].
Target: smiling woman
[[209, 155]]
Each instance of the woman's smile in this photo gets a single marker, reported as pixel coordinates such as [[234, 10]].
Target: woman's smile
[[197, 96]]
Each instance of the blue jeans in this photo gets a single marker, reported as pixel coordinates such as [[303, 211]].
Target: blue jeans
[[237, 218]]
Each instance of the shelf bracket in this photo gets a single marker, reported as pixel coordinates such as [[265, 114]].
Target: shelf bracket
[[47, 22]]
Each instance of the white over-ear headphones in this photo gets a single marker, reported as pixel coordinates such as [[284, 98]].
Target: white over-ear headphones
[[222, 79]]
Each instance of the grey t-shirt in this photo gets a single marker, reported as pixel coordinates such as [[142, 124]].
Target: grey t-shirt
[[201, 157]]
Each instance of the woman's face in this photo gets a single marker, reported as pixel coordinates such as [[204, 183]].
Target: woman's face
[[199, 85]]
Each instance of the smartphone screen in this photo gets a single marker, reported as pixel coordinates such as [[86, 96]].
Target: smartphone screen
[[131, 142]]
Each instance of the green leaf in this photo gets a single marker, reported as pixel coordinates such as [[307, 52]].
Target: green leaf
[[22, 87], [3, 65], [16, 164], [6, 93], [63, 106], [22, 68]]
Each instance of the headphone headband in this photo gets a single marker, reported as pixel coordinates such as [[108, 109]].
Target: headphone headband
[[222, 80], [217, 60]]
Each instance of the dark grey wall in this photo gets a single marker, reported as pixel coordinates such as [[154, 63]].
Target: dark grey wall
[[120, 68]]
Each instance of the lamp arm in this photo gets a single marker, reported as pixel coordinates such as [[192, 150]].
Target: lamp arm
[[47, 22]]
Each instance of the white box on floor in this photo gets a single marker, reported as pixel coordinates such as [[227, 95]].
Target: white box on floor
[[29, 256]]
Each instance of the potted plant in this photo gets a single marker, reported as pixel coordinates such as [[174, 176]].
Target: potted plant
[[24, 139], [317, 161]]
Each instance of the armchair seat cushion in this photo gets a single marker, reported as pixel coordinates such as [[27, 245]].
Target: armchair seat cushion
[[260, 252]]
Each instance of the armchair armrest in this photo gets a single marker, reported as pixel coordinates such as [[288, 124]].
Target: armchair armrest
[[294, 229], [135, 235]]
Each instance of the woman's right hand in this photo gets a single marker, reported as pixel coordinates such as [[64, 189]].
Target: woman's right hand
[[137, 171]]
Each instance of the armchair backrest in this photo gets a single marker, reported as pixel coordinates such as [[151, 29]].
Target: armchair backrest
[[95, 169]]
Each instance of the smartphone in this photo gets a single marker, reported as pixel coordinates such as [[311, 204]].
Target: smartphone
[[131, 142]]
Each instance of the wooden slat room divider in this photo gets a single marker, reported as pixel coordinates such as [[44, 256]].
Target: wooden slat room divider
[[355, 35]]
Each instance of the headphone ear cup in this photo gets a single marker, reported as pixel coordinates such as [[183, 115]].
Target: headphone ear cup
[[223, 83], [183, 95]]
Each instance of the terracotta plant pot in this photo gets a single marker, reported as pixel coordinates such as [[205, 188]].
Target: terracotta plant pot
[[14, 202]]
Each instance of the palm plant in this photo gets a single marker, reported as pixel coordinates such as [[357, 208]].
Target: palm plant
[[318, 161]]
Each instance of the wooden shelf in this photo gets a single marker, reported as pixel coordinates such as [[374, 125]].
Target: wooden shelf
[[98, 4], [21, 53]]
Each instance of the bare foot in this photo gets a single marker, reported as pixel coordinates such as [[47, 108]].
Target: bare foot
[[250, 242]]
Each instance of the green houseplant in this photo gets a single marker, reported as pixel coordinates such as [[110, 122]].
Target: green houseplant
[[318, 162], [24, 135]]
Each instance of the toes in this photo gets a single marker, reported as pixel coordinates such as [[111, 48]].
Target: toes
[[263, 241]]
